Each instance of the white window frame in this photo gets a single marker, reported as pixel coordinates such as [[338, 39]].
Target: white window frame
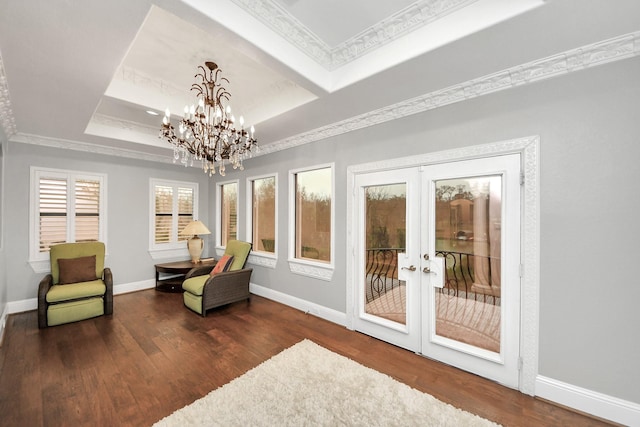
[[306, 267], [39, 261], [219, 246], [175, 248], [265, 259]]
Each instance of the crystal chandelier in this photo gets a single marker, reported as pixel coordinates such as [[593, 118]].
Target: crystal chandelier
[[207, 132]]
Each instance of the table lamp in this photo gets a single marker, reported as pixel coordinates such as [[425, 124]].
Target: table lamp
[[195, 243]]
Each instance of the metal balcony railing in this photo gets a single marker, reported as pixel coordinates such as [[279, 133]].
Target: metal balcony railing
[[466, 275]]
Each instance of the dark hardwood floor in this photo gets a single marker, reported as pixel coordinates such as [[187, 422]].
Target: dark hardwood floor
[[153, 356]]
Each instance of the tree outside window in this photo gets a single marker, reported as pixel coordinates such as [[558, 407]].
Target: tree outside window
[[228, 212], [313, 214], [263, 210]]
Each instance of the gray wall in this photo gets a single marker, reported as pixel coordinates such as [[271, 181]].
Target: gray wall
[[3, 269], [588, 125], [127, 210]]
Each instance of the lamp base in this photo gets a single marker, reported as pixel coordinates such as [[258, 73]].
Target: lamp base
[[195, 245]]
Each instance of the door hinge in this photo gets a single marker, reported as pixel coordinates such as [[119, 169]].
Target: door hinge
[[520, 363], [521, 178], [521, 270]]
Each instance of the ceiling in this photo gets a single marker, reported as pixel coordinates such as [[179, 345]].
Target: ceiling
[[87, 73]]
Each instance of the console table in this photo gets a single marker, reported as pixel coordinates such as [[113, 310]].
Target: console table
[[177, 270]]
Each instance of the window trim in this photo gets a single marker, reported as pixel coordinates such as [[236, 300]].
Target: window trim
[[265, 259], [305, 267], [40, 261], [171, 249], [219, 246]]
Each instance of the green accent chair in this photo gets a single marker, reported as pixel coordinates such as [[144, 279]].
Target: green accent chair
[[73, 291], [203, 291]]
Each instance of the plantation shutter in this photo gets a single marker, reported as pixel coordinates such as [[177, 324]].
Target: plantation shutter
[[68, 209], [53, 212], [164, 213], [174, 205], [87, 207], [185, 209]]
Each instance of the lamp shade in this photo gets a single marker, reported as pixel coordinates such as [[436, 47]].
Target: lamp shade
[[194, 228]]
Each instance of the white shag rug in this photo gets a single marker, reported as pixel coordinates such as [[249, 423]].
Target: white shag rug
[[308, 385]]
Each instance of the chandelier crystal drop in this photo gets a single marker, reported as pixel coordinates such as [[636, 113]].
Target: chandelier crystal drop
[[206, 131]]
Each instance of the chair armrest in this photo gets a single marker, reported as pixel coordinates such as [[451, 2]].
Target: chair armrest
[[43, 288], [236, 276], [108, 294], [202, 270], [107, 277]]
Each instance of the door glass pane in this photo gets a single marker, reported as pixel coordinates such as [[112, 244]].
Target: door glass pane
[[385, 219], [468, 236]]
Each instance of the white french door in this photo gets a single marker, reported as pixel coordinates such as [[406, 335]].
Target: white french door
[[438, 262]]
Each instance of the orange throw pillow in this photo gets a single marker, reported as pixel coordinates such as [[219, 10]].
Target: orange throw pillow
[[224, 264]]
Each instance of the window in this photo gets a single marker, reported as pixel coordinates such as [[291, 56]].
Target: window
[[262, 214], [66, 206], [173, 205], [227, 212], [311, 232]]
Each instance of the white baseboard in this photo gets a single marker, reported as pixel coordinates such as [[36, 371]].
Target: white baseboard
[[22, 305], [134, 286], [300, 304], [590, 402], [32, 303]]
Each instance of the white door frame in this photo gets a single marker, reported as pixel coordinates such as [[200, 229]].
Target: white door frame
[[529, 148]]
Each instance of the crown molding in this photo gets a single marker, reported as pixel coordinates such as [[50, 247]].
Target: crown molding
[[66, 144], [140, 79], [611, 50], [128, 125], [278, 19], [401, 23], [7, 120], [409, 19]]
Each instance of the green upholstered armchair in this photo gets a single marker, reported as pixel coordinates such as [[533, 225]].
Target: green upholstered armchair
[[203, 291], [79, 286]]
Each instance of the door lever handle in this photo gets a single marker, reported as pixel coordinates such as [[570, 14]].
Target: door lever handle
[[428, 270], [410, 268]]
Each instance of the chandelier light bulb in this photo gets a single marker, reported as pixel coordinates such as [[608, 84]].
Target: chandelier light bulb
[[167, 113], [241, 122]]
